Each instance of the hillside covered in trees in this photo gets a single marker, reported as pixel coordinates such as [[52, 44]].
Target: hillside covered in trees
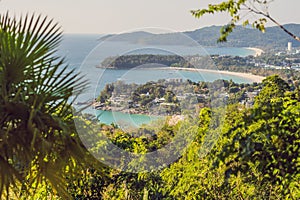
[[252, 153], [131, 61]]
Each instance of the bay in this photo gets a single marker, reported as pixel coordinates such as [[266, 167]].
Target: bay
[[85, 52]]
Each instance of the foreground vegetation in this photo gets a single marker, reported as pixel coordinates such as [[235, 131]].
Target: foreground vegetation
[[39, 146], [253, 153]]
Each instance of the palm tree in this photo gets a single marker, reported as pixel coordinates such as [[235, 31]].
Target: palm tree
[[38, 141]]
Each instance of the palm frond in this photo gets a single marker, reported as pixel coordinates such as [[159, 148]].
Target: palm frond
[[38, 137]]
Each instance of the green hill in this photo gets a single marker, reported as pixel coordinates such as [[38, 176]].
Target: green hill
[[274, 37], [243, 37]]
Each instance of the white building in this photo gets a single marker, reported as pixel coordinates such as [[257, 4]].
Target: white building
[[290, 47]]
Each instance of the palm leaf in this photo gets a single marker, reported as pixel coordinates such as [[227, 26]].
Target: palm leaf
[[37, 130]]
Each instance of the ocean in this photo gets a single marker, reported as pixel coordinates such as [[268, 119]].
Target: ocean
[[85, 52]]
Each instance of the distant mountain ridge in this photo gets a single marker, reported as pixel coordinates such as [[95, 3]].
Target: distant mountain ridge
[[242, 37], [274, 37]]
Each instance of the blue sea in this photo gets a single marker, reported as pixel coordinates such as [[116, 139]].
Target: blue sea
[[85, 52], [77, 48]]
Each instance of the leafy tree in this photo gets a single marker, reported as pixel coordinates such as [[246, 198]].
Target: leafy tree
[[238, 11], [38, 141], [264, 144], [274, 87], [106, 93]]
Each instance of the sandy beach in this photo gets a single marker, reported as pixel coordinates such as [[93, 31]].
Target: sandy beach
[[258, 51], [248, 76]]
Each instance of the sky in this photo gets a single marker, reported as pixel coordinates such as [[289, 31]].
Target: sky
[[118, 16]]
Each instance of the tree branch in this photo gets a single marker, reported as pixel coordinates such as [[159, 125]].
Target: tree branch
[[267, 15], [284, 29]]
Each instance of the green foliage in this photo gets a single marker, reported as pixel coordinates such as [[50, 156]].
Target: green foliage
[[37, 134], [274, 87], [106, 93], [125, 185], [131, 61], [41, 156], [266, 140], [256, 155], [87, 184]]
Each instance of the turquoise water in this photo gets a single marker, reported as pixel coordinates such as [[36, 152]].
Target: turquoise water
[[126, 121], [81, 54]]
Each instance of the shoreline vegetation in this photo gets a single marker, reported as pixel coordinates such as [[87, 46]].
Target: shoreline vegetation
[[172, 96], [175, 62], [152, 98]]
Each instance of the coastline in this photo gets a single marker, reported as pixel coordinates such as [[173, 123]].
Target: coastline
[[252, 77], [258, 51]]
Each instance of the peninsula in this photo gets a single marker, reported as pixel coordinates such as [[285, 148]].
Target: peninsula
[[223, 65], [139, 60]]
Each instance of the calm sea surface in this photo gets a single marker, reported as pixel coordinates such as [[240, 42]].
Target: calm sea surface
[[85, 52]]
